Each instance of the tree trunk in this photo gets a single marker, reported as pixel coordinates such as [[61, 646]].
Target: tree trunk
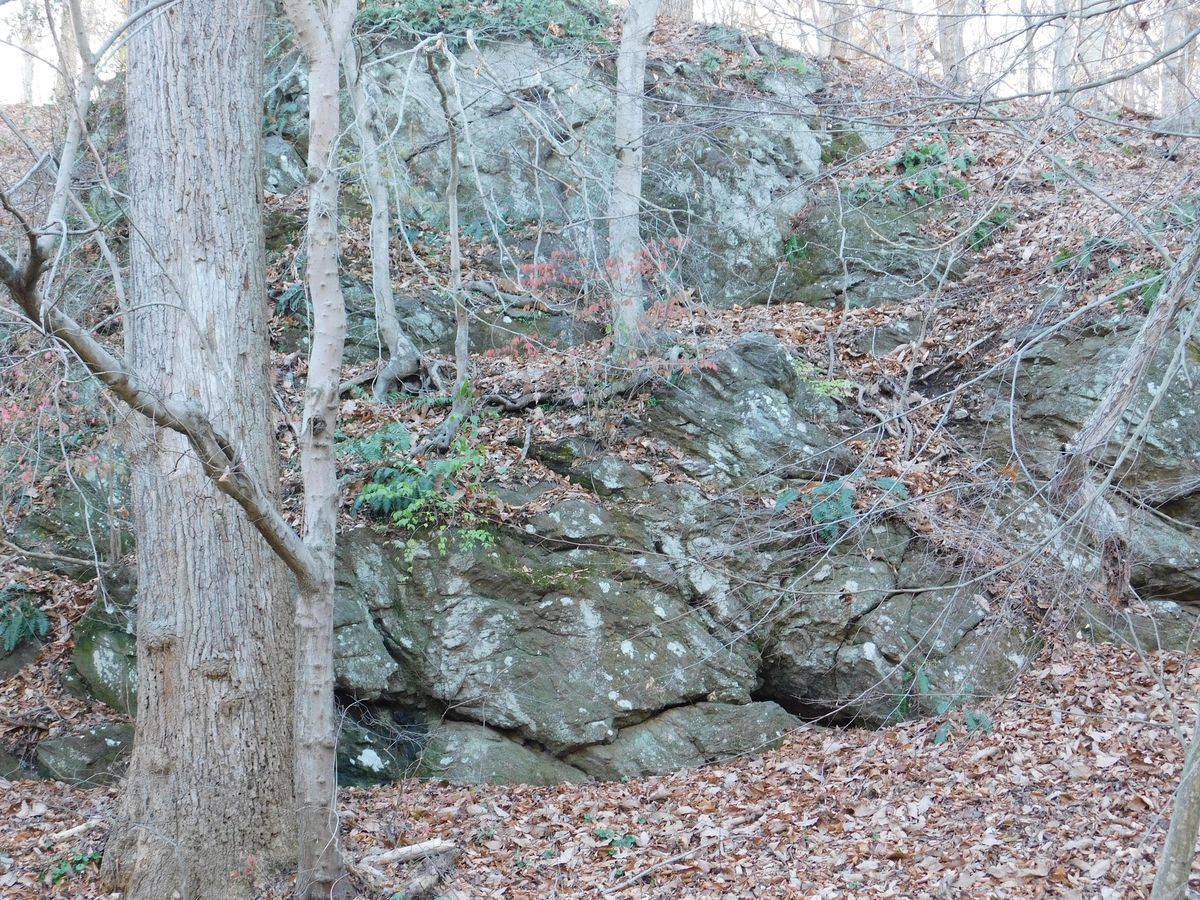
[[403, 357], [678, 10], [1179, 851], [209, 790], [1072, 486], [837, 24], [323, 33], [463, 395], [1177, 70], [1064, 48], [951, 49], [624, 209]]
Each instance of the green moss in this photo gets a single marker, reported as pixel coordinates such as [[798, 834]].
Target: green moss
[[843, 145]]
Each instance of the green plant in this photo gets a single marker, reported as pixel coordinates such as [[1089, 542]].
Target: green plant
[[795, 248], [550, 22], [710, 61], [1146, 282], [833, 388], [925, 172], [66, 866], [792, 64], [999, 219], [615, 841], [380, 444], [424, 498], [1083, 256], [292, 302], [20, 618]]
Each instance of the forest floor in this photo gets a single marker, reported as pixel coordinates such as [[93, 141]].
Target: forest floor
[[1064, 792]]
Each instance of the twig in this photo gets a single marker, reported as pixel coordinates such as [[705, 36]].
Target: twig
[[630, 880], [50, 557]]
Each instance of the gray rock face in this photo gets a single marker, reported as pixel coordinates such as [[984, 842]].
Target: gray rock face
[[1057, 386], [644, 628], [283, 169], [78, 523], [560, 647], [687, 737], [93, 757], [11, 768], [864, 255], [748, 413], [105, 651], [462, 753], [538, 148]]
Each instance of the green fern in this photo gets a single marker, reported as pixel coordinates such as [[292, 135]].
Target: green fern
[[20, 619]]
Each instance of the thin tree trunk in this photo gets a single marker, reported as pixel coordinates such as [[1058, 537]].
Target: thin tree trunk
[[403, 357], [1064, 48], [1031, 63], [837, 23], [951, 49], [463, 398], [69, 25], [624, 210], [322, 38], [1176, 73], [209, 789], [1179, 851], [29, 21], [678, 10]]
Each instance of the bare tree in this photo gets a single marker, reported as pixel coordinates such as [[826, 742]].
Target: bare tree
[[1179, 67], [462, 396], [624, 210], [323, 29], [403, 357], [678, 10], [951, 49], [214, 636]]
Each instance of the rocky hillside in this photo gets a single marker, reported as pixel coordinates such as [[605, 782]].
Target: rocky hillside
[[825, 504]]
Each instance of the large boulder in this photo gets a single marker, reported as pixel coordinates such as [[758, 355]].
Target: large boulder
[[104, 657], [747, 412], [73, 526], [561, 645], [462, 753], [685, 738], [1047, 397], [726, 166], [647, 624], [94, 756], [865, 254], [887, 630]]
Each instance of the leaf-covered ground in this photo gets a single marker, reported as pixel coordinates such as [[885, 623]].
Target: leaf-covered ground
[[1062, 793]]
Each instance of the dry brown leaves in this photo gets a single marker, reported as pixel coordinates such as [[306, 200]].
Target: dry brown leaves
[[1065, 796]]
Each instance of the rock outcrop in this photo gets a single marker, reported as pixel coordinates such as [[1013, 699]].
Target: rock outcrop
[[648, 625]]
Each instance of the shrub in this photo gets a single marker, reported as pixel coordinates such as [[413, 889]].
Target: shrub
[[549, 22]]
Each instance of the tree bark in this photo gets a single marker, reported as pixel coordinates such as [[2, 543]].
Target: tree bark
[[403, 357], [1178, 70], [209, 789], [463, 395], [836, 21], [624, 209], [323, 33], [951, 50], [1175, 864]]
